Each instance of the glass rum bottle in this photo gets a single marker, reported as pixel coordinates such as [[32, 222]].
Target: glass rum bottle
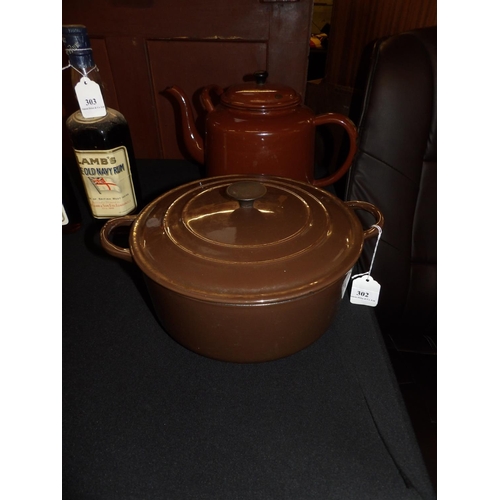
[[100, 135]]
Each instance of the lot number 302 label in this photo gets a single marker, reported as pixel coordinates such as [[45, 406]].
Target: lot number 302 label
[[365, 291]]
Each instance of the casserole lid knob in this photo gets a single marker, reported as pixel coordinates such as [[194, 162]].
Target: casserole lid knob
[[246, 192]]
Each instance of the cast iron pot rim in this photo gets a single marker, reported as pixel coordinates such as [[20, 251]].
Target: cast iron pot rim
[[242, 301]]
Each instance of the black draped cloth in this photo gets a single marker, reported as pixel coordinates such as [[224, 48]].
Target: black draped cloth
[[146, 419]]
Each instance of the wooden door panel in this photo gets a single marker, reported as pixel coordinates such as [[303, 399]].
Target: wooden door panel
[[141, 46], [195, 19], [131, 76]]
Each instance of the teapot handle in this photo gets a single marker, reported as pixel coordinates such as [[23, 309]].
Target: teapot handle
[[350, 128], [111, 248], [207, 100]]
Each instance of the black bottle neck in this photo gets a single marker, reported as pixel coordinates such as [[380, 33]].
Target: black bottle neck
[[77, 45], [81, 59], [85, 75]]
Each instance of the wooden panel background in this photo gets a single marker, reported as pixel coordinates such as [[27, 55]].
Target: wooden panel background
[[142, 46], [355, 23]]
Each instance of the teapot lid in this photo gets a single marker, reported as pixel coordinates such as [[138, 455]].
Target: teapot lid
[[259, 95]]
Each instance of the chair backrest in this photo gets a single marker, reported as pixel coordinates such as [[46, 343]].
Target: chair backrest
[[396, 170]]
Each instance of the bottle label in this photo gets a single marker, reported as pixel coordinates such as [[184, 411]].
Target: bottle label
[[65, 219], [108, 182], [90, 98]]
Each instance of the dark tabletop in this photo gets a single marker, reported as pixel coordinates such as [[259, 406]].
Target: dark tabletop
[[145, 418]]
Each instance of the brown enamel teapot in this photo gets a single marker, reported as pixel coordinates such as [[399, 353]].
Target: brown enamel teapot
[[259, 128]]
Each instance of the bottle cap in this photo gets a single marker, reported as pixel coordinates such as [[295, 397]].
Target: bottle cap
[[77, 45]]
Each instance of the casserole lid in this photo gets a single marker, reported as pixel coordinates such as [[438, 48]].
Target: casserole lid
[[246, 239]]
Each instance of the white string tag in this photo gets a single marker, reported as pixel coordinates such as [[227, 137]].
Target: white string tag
[[90, 99], [365, 290], [346, 282]]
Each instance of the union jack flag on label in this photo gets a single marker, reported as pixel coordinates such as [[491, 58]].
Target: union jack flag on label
[[104, 184]]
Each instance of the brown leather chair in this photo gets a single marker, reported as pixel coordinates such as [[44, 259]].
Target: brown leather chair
[[396, 169]]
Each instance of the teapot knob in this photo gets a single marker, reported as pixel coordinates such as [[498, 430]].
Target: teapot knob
[[260, 76], [246, 192]]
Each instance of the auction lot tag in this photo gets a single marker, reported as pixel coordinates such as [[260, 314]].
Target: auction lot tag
[[90, 99], [365, 291]]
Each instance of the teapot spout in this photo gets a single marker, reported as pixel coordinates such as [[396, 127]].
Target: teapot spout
[[192, 139]]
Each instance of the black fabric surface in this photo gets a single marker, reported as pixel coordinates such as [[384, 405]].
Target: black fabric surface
[[144, 418]]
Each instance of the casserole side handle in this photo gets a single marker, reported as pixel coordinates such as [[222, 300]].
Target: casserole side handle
[[372, 209], [108, 245]]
